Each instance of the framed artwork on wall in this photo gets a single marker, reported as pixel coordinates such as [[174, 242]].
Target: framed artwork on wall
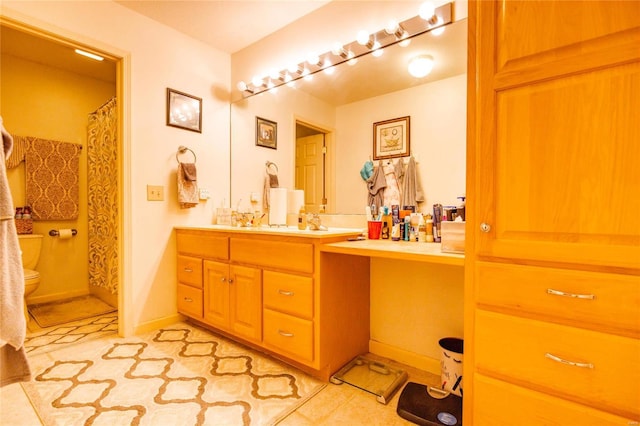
[[184, 111], [391, 138], [266, 133]]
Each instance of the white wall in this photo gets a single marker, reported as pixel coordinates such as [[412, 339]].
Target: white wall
[[437, 141], [155, 57]]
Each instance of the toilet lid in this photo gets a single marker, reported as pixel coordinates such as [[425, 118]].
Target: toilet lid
[[30, 274]]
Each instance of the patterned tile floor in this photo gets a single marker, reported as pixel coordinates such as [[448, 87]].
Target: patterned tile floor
[[334, 405]]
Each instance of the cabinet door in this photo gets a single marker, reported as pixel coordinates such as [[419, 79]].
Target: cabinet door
[[216, 294], [556, 129], [246, 302]]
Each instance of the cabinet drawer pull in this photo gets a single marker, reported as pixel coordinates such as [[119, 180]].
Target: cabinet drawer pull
[[188, 299], [572, 295], [188, 270], [286, 293], [285, 334], [572, 363]]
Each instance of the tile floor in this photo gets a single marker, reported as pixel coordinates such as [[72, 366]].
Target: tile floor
[[334, 405]]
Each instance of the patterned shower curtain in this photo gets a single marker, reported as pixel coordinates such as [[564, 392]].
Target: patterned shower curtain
[[102, 182]]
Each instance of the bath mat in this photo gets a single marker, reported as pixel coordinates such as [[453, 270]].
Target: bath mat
[[64, 311], [178, 375]]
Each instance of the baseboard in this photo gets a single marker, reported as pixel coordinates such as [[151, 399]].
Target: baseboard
[[148, 326], [36, 300], [412, 359]]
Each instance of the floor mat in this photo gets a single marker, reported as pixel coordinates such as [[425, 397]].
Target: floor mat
[[179, 375], [64, 311]]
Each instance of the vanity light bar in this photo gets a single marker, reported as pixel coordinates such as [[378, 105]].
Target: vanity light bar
[[348, 52]]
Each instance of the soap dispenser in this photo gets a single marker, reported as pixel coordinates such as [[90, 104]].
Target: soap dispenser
[[302, 219]]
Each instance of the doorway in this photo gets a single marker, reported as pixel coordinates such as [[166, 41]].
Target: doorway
[[313, 166], [31, 47]]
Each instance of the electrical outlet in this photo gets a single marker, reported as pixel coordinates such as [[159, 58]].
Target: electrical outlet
[[204, 194], [155, 193]]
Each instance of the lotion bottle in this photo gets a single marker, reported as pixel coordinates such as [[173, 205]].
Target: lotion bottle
[[302, 219]]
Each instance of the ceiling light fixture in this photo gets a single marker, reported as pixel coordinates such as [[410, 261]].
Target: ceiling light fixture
[[429, 19], [89, 55], [420, 66]]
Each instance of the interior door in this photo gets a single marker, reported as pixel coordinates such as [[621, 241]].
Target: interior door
[[558, 132], [310, 170]]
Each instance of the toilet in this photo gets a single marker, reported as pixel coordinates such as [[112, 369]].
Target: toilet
[[30, 245]]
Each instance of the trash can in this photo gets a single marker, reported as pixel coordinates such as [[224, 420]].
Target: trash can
[[451, 364]]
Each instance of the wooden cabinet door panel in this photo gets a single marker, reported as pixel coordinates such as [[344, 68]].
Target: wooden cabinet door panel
[[246, 302], [559, 178], [216, 294]]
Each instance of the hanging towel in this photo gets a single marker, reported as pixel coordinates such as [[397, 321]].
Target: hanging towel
[[18, 153], [53, 178], [376, 185], [392, 191], [13, 362], [411, 189], [190, 173], [187, 189], [270, 181]]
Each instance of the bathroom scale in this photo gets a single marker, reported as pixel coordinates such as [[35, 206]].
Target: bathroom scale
[[371, 376], [429, 406]]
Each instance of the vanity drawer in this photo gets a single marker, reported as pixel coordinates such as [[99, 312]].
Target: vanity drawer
[[288, 334], [291, 294], [292, 256], [190, 270], [189, 301], [611, 300], [498, 403], [204, 244], [530, 351]]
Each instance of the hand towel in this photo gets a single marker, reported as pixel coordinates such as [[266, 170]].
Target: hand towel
[[190, 172], [270, 181], [411, 189], [13, 327], [376, 185], [187, 189]]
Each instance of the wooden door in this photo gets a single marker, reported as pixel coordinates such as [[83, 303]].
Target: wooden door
[[216, 294], [246, 302], [310, 170], [557, 131]]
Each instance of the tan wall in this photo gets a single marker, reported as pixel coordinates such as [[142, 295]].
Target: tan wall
[[50, 103]]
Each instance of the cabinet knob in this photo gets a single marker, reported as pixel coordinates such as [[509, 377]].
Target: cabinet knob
[[230, 280], [223, 279], [485, 227]]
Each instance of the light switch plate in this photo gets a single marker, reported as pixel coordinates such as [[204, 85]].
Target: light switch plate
[[204, 194], [155, 193]]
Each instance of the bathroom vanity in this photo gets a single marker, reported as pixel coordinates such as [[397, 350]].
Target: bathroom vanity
[[271, 289]]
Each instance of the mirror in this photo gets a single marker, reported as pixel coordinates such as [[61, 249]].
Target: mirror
[[336, 113]]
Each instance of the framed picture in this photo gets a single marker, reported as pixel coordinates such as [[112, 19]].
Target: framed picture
[[184, 111], [391, 138], [266, 133]]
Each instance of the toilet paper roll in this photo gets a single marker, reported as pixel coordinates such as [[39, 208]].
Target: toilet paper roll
[[278, 206], [65, 234], [295, 200]]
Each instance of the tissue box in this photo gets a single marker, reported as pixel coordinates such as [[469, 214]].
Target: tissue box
[[452, 237]]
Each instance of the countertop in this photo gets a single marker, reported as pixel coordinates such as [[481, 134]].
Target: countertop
[[401, 250], [278, 230]]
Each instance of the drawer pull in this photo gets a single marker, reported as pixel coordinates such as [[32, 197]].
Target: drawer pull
[[188, 270], [285, 334], [286, 293], [572, 363], [188, 299], [572, 295]]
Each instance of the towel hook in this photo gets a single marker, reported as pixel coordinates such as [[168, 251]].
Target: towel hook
[[269, 164], [182, 149]]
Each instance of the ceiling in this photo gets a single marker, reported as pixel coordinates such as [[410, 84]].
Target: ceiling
[[227, 25]]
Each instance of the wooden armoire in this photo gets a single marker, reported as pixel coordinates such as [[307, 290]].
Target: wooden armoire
[[552, 272]]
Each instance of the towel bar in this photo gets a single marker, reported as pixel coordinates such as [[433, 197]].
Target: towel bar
[[182, 149]]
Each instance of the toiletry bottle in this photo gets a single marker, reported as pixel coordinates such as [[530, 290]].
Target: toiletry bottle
[[429, 228], [385, 230], [422, 230], [407, 228], [302, 219]]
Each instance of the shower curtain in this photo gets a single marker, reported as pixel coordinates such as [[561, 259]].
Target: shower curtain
[[102, 182]]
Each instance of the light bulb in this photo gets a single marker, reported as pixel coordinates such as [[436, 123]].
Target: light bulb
[[377, 53], [242, 86], [391, 28], [420, 66], [427, 10], [438, 31], [293, 68], [257, 81], [313, 59], [362, 37], [405, 42]]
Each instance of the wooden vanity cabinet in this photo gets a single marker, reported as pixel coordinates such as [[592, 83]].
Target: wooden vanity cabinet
[[273, 291], [552, 272]]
